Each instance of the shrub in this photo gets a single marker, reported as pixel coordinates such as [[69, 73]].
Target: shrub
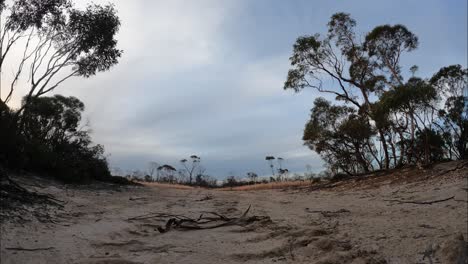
[[45, 138]]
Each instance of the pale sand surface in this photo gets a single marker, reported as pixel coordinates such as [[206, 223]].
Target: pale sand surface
[[93, 227]]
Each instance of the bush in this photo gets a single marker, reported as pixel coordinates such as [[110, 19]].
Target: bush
[[340, 177], [45, 138]]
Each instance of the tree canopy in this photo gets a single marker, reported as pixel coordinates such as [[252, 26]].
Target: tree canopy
[[381, 119], [58, 42]]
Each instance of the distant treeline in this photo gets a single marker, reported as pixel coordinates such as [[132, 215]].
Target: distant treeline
[[379, 119]]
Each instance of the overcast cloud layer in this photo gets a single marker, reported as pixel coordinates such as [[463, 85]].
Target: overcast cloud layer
[[205, 77]]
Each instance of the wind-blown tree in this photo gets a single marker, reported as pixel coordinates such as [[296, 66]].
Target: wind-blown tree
[[166, 173], [57, 41], [192, 168], [270, 160], [361, 68], [280, 162], [381, 120], [452, 81]]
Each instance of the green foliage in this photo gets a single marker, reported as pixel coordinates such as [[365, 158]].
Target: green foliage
[[380, 120], [451, 82], [48, 141], [430, 145], [339, 135], [59, 38]]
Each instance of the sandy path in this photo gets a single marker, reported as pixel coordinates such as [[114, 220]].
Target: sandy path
[[360, 226]]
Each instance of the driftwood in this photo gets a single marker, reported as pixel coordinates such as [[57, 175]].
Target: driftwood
[[206, 220], [419, 202]]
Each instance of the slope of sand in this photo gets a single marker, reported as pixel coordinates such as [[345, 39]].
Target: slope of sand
[[348, 223]]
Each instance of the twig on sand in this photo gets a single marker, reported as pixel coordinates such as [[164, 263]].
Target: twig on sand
[[205, 198], [137, 198], [28, 249], [328, 213], [419, 202]]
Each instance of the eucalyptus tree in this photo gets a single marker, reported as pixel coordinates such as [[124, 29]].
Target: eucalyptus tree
[[452, 83], [57, 41], [166, 173], [191, 168], [280, 162], [270, 162], [340, 136], [252, 176], [362, 68]]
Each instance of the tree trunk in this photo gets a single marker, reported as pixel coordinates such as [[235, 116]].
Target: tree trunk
[[384, 145]]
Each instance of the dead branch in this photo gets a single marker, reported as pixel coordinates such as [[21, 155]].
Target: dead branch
[[157, 215], [206, 220], [137, 198], [462, 165], [328, 213], [206, 198], [28, 249], [419, 202]]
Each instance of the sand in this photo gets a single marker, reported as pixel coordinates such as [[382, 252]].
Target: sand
[[349, 223]]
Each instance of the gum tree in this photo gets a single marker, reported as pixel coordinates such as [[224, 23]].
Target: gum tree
[[57, 42], [361, 68]]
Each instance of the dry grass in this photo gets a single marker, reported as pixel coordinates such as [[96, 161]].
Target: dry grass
[[167, 185], [268, 186]]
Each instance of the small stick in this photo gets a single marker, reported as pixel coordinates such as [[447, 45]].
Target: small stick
[[28, 249], [416, 202]]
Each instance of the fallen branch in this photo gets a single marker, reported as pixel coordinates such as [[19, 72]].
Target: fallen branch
[[459, 166], [28, 249], [419, 202], [137, 198], [206, 220], [206, 198], [328, 213], [156, 215]]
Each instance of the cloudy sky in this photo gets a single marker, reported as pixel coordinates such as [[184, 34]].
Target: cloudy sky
[[205, 77]]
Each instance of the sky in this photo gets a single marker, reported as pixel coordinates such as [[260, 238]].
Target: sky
[[206, 77]]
